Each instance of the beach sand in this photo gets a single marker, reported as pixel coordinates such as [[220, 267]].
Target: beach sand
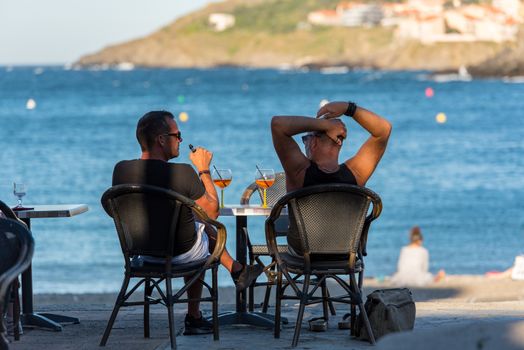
[[460, 312]]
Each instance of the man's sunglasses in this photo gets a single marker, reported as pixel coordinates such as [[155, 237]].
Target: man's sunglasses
[[178, 135]]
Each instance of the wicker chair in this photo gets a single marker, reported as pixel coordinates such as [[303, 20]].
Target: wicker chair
[[16, 250], [330, 224], [15, 287], [146, 219]]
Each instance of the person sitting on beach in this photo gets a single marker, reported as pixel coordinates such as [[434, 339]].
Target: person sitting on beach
[[159, 139], [413, 263]]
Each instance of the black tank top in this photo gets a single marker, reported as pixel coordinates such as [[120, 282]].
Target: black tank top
[[315, 176]]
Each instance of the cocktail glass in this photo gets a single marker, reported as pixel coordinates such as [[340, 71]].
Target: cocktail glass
[[19, 190], [222, 178], [264, 178]]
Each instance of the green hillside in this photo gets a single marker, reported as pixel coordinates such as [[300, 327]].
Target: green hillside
[[273, 33]]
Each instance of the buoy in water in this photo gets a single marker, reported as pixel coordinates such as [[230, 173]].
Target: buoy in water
[[30, 104], [429, 92], [183, 117], [323, 103], [441, 118]]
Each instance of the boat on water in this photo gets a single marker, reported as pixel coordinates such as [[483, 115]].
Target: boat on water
[[125, 66], [334, 70], [461, 75]]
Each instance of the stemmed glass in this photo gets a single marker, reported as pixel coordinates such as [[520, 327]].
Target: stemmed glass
[[222, 178], [264, 178], [19, 190]]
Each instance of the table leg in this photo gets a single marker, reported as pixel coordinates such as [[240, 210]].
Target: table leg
[[241, 254], [241, 315], [29, 317]]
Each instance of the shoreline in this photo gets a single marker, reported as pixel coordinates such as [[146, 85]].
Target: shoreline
[[453, 288], [321, 68]]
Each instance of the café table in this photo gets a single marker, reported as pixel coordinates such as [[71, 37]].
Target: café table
[[241, 315], [29, 317]]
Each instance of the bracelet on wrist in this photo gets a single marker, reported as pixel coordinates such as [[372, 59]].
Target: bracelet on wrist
[[352, 108], [200, 173]]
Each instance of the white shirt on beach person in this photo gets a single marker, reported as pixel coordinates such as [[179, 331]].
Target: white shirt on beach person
[[412, 267], [413, 263]]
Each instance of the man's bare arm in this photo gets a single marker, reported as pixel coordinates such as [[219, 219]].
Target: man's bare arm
[[365, 161], [201, 158]]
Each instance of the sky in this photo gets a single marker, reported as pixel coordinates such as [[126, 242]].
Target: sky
[[61, 31]]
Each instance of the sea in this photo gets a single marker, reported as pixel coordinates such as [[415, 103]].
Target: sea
[[454, 164]]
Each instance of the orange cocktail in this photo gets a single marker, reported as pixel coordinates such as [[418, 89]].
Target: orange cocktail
[[265, 183], [264, 178], [222, 183], [222, 178]]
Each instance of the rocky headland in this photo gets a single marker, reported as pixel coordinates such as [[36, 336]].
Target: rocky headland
[[270, 33]]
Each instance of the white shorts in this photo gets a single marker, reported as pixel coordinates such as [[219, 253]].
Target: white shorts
[[199, 250]]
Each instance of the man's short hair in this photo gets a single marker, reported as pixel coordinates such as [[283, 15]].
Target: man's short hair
[[151, 125]]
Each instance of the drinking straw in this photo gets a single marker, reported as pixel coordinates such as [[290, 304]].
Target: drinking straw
[[219, 176]]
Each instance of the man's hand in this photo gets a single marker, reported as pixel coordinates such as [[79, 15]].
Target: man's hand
[[332, 110], [201, 158], [336, 131]]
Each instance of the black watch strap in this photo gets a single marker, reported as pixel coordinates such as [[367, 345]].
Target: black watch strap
[[352, 108]]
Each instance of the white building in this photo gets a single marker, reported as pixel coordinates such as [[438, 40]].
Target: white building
[[221, 21], [360, 14], [512, 8], [324, 18], [422, 28]]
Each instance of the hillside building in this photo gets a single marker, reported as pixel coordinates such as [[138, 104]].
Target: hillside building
[[221, 21]]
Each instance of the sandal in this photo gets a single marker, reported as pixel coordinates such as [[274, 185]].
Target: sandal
[[318, 324], [346, 322]]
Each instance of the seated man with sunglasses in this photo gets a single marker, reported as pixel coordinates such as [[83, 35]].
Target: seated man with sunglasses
[[323, 141], [159, 138]]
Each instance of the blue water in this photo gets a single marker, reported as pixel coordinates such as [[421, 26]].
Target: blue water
[[462, 182]]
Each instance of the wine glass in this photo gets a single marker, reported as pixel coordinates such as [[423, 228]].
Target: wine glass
[[222, 178], [19, 190], [264, 178]]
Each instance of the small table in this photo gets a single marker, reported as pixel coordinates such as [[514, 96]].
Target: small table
[[29, 317], [241, 315]]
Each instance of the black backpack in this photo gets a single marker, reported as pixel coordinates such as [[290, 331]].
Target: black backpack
[[388, 310]]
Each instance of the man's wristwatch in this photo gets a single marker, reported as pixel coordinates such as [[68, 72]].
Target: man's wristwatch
[[352, 108], [200, 173]]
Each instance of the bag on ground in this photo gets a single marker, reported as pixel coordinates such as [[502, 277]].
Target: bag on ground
[[388, 310]]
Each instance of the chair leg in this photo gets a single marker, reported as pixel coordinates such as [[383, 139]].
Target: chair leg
[[300, 316], [215, 302], [16, 308], [325, 301], [147, 294], [170, 314], [331, 306], [118, 304], [352, 313], [278, 305], [251, 289], [363, 313], [267, 295]]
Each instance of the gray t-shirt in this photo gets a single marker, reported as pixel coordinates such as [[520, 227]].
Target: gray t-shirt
[[180, 178]]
